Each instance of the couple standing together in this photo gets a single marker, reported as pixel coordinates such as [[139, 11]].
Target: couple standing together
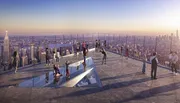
[[173, 61], [154, 62]]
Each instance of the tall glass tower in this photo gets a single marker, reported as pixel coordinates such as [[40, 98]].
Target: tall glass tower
[[6, 55]]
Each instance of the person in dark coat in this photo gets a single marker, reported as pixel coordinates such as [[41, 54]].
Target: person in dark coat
[[56, 70], [47, 56], [87, 46], [154, 62], [67, 69], [84, 51], [122, 50]]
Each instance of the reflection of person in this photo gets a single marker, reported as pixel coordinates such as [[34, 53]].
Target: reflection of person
[[47, 77], [105, 43], [154, 62], [84, 64]]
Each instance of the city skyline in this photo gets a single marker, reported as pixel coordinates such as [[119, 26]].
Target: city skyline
[[37, 17]]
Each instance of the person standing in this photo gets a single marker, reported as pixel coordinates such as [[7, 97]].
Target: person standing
[[174, 60], [54, 57], [104, 56], [77, 48], [47, 57], [122, 50], [87, 46], [15, 61], [84, 51], [105, 43], [127, 52], [177, 63], [154, 62], [96, 45], [99, 43], [67, 69], [144, 64]]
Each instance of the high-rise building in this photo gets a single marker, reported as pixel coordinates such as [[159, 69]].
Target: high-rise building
[[24, 51], [6, 48], [32, 51], [177, 34], [16, 47], [39, 49]]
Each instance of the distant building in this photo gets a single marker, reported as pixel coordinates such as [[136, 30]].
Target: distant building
[[43, 56], [24, 60], [171, 34], [177, 34], [6, 48], [32, 51], [23, 51], [39, 50], [16, 47]]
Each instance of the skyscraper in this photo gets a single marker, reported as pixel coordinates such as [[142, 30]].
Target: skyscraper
[[32, 51], [177, 34], [6, 48]]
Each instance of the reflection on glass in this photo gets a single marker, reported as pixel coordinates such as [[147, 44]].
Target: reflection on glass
[[47, 77], [59, 77]]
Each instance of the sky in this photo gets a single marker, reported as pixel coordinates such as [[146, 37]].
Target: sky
[[39, 17]]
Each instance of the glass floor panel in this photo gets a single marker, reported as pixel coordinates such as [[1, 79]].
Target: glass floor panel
[[77, 77]]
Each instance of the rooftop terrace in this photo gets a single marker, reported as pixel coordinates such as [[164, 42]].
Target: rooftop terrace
[[121, 78]]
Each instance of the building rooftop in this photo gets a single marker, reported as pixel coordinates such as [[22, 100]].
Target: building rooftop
[[121, 78]]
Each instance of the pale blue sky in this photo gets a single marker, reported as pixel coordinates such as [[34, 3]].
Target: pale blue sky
[[56, 16]]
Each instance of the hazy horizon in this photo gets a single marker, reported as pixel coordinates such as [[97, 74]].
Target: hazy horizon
[[128, 17]]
